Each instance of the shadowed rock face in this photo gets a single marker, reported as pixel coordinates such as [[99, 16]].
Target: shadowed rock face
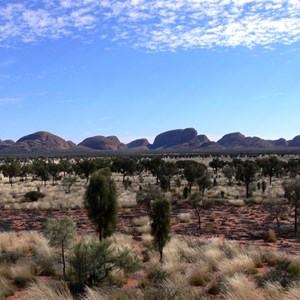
[[238, 140], [201, 139], [9, 142], [44, 139], [173, 138], [235, 139], [295, 142], [212, 145], [138, 144], [103, 143], [179, 139], [281, 143]]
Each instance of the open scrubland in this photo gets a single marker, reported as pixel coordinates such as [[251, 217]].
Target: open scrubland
[[233, 236]]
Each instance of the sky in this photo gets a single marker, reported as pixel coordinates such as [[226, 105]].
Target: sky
[[136, 68]]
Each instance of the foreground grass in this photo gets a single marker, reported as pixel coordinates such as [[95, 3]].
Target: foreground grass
[[193, 268]]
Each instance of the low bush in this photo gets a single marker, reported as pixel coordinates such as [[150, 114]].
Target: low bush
[[284, 272], [93, 261], [34, 195]]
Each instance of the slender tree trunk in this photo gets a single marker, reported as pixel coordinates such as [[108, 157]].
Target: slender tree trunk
[[199, 218], [247, 190], [161, 255], [100, 235], [63, 260], [296, 218]]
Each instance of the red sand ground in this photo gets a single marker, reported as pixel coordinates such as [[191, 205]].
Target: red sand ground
[[246, 224]]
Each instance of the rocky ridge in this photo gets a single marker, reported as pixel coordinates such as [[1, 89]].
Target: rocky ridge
[[186, 139]]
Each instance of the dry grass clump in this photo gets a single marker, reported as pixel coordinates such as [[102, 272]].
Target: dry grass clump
[[110, 294], [174, 286], [142, 224], [256, 255], [173, 251], [271, 236], [127, 199], [22, 273], [199, 276], [29, 247], [272, 257], [6, 288], [213, 257], [242, 263], [118, 277], [49, 291], [146, 229], [147, 240], [24, 243], [184, 217], [238, 287], [212, 217], [141, 221], [121, 242], [237, 202], [275, 291]]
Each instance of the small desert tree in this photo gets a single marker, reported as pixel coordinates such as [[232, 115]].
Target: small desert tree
[[292, 194], [68, 182], [271, 167], [160, 226], [85, 167], [100, 200], [54, 170], [198, 203], [246, 172], [216, 164], [204, 182], [228, 171], [61, 233], [192, 172], [11, 169]]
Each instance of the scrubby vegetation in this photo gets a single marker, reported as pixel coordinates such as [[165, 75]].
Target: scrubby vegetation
[[203, 202]]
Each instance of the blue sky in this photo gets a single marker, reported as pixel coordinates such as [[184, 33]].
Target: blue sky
[[136, 68]]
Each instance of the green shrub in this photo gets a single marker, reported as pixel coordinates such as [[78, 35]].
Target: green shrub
[[293, 270], [34, 195], [93, 261], [7, 257], [61, 233], [283, 272], [157, 275]]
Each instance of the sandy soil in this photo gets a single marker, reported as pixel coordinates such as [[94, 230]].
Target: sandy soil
[[246, 224]]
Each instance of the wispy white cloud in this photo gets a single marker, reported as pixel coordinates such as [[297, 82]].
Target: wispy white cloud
[[6, 101], [156, 25]]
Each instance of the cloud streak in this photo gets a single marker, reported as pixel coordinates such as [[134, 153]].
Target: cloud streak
[[7, 101], [155, 25]]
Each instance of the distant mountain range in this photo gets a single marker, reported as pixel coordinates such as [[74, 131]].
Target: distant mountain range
[[43, 142]]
